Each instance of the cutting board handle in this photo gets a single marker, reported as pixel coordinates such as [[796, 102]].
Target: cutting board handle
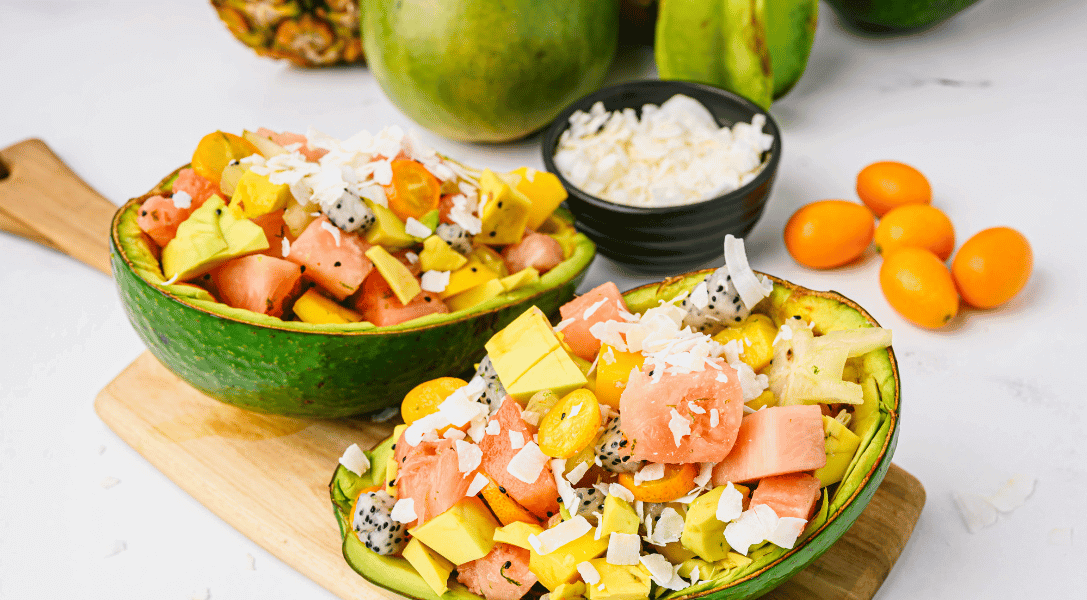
[[42, 200]]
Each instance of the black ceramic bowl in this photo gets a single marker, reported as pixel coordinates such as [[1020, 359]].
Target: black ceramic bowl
[[670, 239]]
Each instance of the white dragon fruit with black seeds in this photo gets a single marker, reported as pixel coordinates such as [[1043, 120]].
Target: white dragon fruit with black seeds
[[589, 501], [456, 236], [373, 523], [350, 213], [722, 304], [614, 450], [495, 391]]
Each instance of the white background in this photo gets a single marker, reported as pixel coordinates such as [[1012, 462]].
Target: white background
[[990, 106]]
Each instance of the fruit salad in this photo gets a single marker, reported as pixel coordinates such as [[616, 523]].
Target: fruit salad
[[642, 446], [376, 229]]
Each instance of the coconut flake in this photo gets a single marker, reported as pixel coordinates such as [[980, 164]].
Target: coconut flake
[[592, 309], [574, 411], [650, 472], [668, 528], [787, 531], [285, 247], [1013, 493], [623, 549], [332, 230], [558, 536], [730, 505], [404, 511], [412, 257], [566, 491], [469, 456], [416, 229], [562, 325], [715, 417], [453, 434], [577, 473], [748, 285], [588, 573], [662, 572], [695, 408], [680, 427], [976, 511], [621, 492], [528, 463], [493, 427], [722, 377], [434, 281], [181, 200], [700, 296], [355, 460], [517, 439], [478, 483]]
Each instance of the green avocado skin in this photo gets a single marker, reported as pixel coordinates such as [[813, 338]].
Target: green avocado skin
[[396, 575], [897, 15], [308, 374], [488, 70]]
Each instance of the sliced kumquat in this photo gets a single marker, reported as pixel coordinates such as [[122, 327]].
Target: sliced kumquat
[[424, 398], [677, 482], [505, 508], [414, 191], [216, 150], [570, 425]]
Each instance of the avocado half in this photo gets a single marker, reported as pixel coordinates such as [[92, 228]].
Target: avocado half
[[772, 566], [264, 364]]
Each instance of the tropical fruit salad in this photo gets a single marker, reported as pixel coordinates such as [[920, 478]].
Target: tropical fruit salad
[[376, 228], [641, 446]]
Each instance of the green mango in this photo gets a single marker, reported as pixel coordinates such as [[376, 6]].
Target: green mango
[[790, 25], [767, 566], [723, 43], [488, 71]]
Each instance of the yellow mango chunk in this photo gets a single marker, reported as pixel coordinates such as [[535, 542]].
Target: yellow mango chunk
[[399, 278], [491, 259], [208, 238], [255, 195], [437, 255], [613, 371], [569, 591], [387, 230], [556, 372], [840, 445], [560, 566], [703, 532], [461, 534], [543, 190], [313, 307], [766, 398], [472, 274], [756, 337], [520, 279], [490, 289], [619, 582], [516, 534], [431, 566], [503, 210], [618, 517], [521, 344]]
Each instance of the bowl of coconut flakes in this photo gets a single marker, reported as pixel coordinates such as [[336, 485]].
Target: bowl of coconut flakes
[[658, 172]]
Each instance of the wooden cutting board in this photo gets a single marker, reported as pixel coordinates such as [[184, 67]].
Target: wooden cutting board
[[220, 455], [252, 469]]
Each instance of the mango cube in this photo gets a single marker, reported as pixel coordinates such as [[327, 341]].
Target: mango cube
[[560, 566], [840, 444], [395, 273], [612, 372], [703, 532], [255, 195], [503, 210], [472, 274], [569, 591], [461, 534], [488, 290], [543, 190], [521, 344], [313, 307], [556, 372], [620, 582], [516, 534], [520, 279], [431, 566], [437, 255], [756, 337]]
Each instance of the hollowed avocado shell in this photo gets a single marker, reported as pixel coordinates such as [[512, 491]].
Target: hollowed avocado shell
[[772, 566], [263, 364]]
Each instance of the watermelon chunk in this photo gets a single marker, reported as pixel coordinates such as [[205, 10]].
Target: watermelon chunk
[[338, 267], [540, 497], [287, 138], [536, 250], [159, 219], [196, 186], [275, 229], [379, 305], [258, 283], [429, 474], [501, 575], [649, 414], [602, 303], [774, 441], [792, 495]]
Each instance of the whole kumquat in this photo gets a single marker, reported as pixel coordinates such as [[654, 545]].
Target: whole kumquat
[[885, 185], [918, 285], [916, 226], [992, 267], [829, 233]]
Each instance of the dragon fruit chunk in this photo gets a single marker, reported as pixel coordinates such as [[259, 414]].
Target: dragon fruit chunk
[[373, 523]]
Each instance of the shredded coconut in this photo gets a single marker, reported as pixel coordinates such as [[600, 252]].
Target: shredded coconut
[[623, 548], [478, 483], [181, 200], [528, 463], [416, 229], [404, 511], [434, 281], [355, 460]]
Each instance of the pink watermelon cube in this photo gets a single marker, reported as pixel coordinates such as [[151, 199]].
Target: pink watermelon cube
[[536, 250], [598, 305], [501, 575], [275, 230], [429, 474], [377, 303], [334, 259], [258, 283], [774, 441], [700, 402], [196, 186], [540, 497], [792, 495], [159, 218], [287, 138]]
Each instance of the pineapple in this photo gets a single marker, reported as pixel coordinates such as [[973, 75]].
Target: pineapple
[[309, 33]]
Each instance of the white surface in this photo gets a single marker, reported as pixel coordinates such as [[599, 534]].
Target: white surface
[[989, 106]]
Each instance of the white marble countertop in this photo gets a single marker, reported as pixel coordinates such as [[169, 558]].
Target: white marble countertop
[[990, 106]]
